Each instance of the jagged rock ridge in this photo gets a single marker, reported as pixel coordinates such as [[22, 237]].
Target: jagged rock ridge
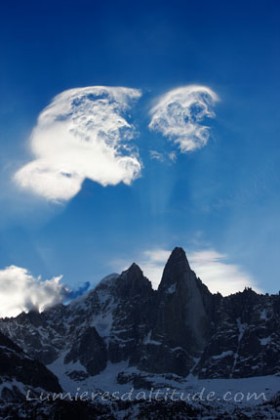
[[19, 372], [180, 329]]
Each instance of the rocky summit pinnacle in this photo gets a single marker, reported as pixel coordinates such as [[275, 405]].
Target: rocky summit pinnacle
[[178, 254], [135, 270], [132, 282], [182, 317], [175, 270]]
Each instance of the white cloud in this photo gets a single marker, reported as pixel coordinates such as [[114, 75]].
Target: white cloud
[[20, 291], [172, 156], [163, 157], [155, 155], [82, 134], [220, 275], [178, 115], [213, 268]]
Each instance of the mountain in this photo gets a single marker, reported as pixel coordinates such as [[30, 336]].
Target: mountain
[[19, 372], [124, 334]]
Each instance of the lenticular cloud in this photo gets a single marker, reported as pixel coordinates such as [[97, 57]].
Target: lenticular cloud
[[83, 133], [178, 115]]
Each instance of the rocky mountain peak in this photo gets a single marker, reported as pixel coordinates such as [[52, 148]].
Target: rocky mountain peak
[[182, 310], [132, 282], [176, 269], [134, 270], [178, 255]]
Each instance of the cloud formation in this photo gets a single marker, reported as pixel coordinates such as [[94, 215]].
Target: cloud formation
[[178, 115], [73, 294], [83, 133], [220, 275], [212, 267], [21, 292], [163, 157]]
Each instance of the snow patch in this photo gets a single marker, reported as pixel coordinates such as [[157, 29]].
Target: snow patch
[[108, 280], [265, 341], [263, 315], [148, 340], [222, 355], [171, 289]]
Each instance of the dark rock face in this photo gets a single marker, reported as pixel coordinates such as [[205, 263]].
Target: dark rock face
[[179, 329], [90, 350], [16, 365], [181, 324], [182, 316], [132, 283], [133, 315], [246, 339]]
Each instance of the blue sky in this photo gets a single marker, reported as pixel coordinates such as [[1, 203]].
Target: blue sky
[[222, 198]]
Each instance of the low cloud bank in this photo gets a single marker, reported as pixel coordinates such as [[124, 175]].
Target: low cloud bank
[[20, 291]]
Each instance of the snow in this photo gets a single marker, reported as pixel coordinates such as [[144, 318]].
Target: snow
[[249, 391], [103, 323], [269, 385], [108, 280], [11, 383], [241, 329], [196, 362], [265, 341], [58, 368], [263, 315], [147, 340], [171, 289], [222, 355], [106, 380], [177, 348]]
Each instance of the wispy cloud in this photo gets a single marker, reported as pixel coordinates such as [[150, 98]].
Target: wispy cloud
[[179, 113], [82, 134], [219, 274], [155, 155], [163, 156], [212, 267]]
